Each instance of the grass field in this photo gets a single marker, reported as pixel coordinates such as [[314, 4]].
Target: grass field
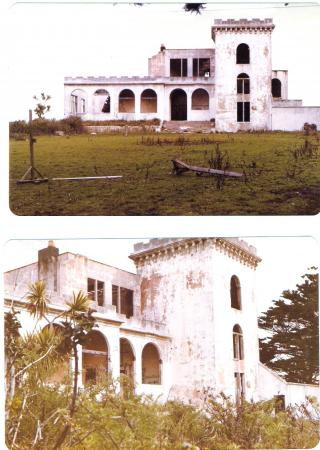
[[282, 175]]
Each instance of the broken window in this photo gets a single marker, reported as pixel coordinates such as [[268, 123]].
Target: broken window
[[276, 87], [235, 292], [74, 104], [201, 67], [243, 54], [148, 101], [237, 343], [243, 111], [151, 365], [178, 67], [200, 100], [126, 101], [122, 299], [95, 290], [243, 84], [240, 388], [83, 105], [102, 101], [94, 357], [280, 403]]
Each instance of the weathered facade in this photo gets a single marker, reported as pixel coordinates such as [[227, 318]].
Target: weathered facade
[[184, 323], [229, 87]]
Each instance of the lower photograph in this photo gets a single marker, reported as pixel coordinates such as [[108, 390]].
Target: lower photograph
[[200, 343]]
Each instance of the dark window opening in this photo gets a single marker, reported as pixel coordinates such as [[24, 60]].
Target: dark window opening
[[115, 297], [122, 299], [74, 104], [106, 106], [201, 67], [280, 403], [95, 290], [178, 67], [200, 100], [235, 292], [95, 357], [238, 352], [91, 289], [243, 54], [243, 84], [126, 302], [276, 88], [243, 111], [178, 101]]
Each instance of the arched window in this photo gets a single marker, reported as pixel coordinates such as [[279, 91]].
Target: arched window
[[276, 87], [94, 357], [200, 99], [126, 101], [78, 100], [127, 359], [102, 101], [151, 365], [235, 292], [237, 343], [243, 54], [243, 84], [148, 101]]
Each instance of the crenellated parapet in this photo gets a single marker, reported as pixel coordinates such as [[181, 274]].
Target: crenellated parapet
[[145, 252], [242, 26]]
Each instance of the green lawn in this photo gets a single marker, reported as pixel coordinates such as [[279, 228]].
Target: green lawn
[[277, 181]]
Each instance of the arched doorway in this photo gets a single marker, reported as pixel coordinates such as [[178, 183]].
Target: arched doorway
[[94, 357], [127, 359], [178, 101], [151, 365], [276, 88]]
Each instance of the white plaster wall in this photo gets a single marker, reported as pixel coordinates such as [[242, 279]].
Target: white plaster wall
[[259, 71], [271, 384], [293, 118]]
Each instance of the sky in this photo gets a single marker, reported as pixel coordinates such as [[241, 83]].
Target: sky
[[50, 41], [284, 259]]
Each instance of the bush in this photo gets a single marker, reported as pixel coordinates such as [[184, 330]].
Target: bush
[[70, 125]]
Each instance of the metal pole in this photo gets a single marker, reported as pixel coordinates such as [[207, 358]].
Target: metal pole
[[31, 145]]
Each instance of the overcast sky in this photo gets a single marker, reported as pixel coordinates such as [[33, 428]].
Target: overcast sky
[[284, 259], [50, 41]]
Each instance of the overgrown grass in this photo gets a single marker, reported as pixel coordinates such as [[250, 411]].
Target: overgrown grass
[[282, 175]]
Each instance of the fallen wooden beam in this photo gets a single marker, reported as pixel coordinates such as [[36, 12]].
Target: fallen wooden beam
[[180, 167], [112, 177]]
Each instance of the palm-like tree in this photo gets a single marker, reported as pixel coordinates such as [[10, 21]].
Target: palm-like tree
[[37, 299]]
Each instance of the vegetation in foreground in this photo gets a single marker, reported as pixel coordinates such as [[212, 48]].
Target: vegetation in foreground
[[44, 414], [281, 175]]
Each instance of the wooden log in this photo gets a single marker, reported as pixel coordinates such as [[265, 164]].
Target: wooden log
[[180, 167], [88, 178]]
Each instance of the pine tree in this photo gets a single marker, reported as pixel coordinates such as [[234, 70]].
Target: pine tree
[[292, 349]]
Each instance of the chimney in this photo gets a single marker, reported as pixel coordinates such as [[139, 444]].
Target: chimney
[[162, 48], [48, 266]]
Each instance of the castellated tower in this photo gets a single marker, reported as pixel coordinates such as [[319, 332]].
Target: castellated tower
[[243, 74], [203, 291]]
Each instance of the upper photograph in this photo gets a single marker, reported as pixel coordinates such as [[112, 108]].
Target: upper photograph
[[164, 109]]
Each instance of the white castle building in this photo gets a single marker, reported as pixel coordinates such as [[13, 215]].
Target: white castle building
[[185, 322], [228, 87]]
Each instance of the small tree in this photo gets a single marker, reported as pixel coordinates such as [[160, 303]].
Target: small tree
[[42, 106]]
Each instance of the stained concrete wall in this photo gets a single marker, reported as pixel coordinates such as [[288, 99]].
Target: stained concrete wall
[[293, 118], [259, 71]]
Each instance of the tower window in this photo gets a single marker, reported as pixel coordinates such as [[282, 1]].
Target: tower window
[[237, 335], [235, 292], [243, 111], [240, 390], [243, 54], [243, 84]]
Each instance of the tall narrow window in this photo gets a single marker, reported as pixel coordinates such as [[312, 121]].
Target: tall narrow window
[[276, 88], [240, 387], [95, 289], [235, 292], [91, 289], [122, 299], [243, 111], [243, 54], [243, 84], [74, 104], [178, 67], [237, 335]]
